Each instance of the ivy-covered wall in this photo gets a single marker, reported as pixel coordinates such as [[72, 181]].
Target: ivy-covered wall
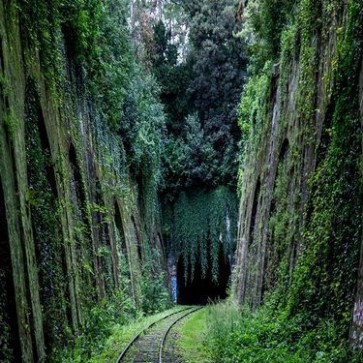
[[77, 176], [300, 223]]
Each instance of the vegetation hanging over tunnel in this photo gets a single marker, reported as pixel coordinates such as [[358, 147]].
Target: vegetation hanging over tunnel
[[201, 77], [201, 223]]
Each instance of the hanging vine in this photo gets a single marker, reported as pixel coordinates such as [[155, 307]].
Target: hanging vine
[[202, 222]]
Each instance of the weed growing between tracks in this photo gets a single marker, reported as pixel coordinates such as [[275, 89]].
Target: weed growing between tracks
[[191, 331]]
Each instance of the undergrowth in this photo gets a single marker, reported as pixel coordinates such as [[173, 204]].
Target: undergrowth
[[110, 316], [122, 334], [237, 336]]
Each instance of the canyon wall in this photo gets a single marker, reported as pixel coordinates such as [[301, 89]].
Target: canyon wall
[[72, 226], [300, 224]]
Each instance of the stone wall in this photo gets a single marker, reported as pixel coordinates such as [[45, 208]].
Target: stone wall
[[300, 226]]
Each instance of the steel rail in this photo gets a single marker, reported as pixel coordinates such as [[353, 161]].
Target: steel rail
[[137, 336]]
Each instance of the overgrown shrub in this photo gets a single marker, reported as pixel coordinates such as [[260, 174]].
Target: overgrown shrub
[[98, 326], [235, 336]]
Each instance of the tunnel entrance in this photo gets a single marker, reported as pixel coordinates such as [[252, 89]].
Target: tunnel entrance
[[200, 290]]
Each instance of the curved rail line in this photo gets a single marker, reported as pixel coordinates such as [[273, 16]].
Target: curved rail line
[[137, 336], [162, 344]]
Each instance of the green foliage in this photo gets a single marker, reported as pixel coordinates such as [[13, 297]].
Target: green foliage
[[311, 292], [44, 209], [143, 129], [81, 22], [191, 332], [111, 68], [173, 77], [46, 25], [143, 123], [263, 25], [87, 37], [202, 221], [267, 336], [200, 94], [326, 274], [190, 157], [97, 48], [98, 326], [155, 295], [252, 110], [164, 53], [114, 312], [85, 54], [11, 123], [200, 89]]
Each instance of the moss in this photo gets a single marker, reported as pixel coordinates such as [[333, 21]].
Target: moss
[[42, 204], [334, 230], [11, 124]]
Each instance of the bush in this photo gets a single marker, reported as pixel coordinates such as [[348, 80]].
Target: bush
[[155, 296], [235, 336], [98, 326]]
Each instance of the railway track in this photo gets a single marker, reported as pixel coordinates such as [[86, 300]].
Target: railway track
[[149, 345]]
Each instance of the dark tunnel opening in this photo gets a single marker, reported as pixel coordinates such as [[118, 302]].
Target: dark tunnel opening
[[201, 290]]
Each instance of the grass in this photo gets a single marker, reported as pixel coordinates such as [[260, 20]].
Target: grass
[[267, 335], [123, 334], [192, 334], [225, 333]]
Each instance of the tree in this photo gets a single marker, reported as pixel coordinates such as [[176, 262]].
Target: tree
[[217, 78], [207, 86]]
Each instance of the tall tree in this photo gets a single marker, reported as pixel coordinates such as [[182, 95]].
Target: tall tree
[[207, 84], [217, 78]]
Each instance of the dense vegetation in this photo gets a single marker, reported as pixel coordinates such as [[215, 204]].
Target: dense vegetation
[[201, 94], [300, 246], [271, 336], [200, 89], [200, 225], [126, 130], [114, 115], [80, 169]]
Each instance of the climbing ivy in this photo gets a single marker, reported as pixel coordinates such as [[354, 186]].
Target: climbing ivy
[[79, 66], [327, 269]]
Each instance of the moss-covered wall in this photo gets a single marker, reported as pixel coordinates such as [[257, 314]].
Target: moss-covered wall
[[71, 222], [356, 332], [300, 228]]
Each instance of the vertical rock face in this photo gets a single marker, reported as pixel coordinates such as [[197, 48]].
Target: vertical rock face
[[70, 215], [356, 333], [300, 227]]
